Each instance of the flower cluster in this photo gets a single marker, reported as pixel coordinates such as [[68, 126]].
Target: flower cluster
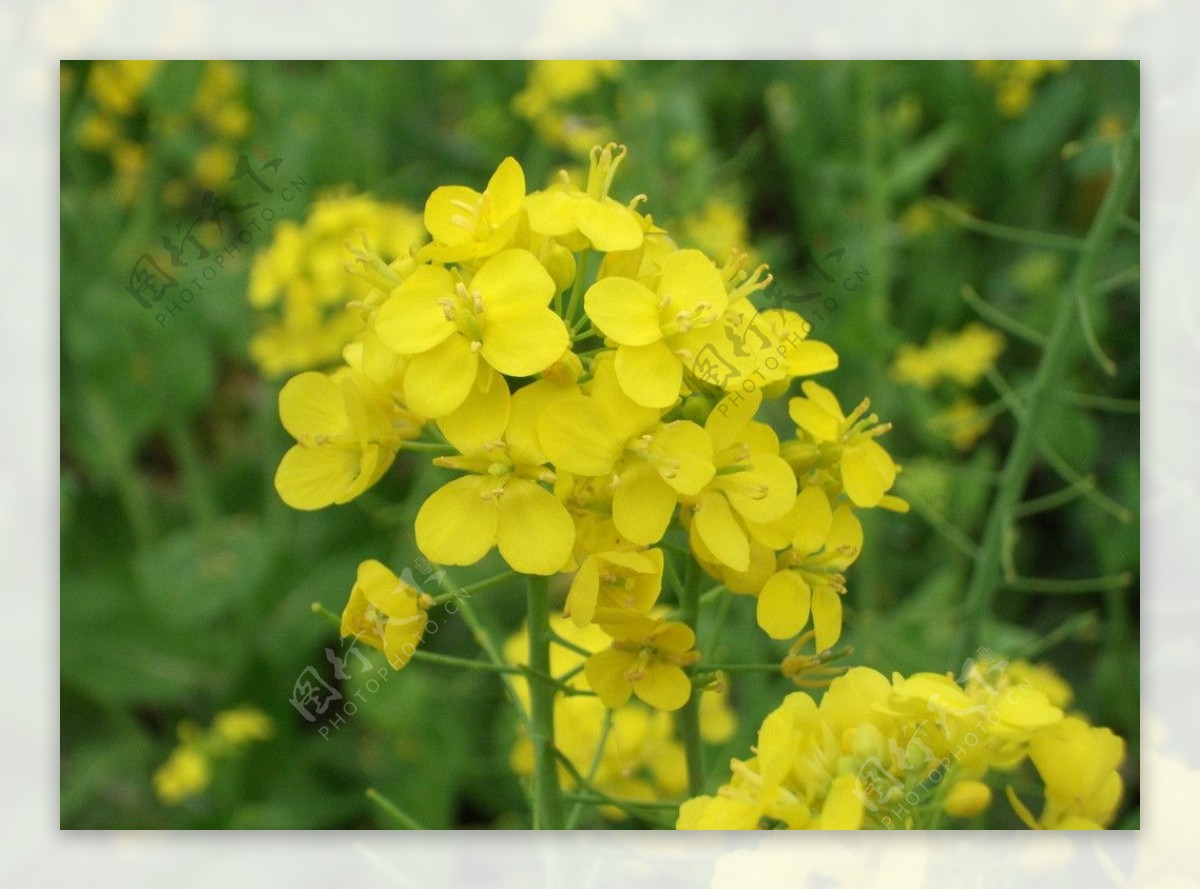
[[958, 361], [637, 758], [188, 770], [551, 95], [311, 307], [913, 751], [119, 120], [596, 386]]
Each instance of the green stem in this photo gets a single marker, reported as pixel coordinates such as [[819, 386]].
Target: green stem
[[483, 638], [401, 817], [597, 759], [581, 281], [1007, 233], [1060, 347], [485, 584], [547, 797], [689, 714]]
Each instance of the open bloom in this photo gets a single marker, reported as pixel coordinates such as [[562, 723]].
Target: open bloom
[[613, 582], [811, 575], [447, 325], [499, 501], [752, 484], [466, 224], [868, 472], [647, 657], [568, 213], [651, 463], [347, 433], [654, 328]]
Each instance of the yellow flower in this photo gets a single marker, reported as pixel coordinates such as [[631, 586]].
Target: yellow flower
[[825, 543], [499, 502], [652, 327], [568, 213], [314, 305], [646, 658], [185, 774], [613, 581], [385, 613], [963, 423], [1079, 764], [466, 224], [448, 326], [214, 165], [963, 357], [98, 132], [651, 463], [867, 471], [753, 486], [243, 724], [967, 799], [116, 86], [347, 435]]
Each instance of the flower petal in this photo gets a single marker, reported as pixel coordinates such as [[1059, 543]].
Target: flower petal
[[310, 404], [690, 280], [608, 225], [682, 452], [484, 415], [783, 605], [312, 478], [457, 524], [445, 218], [815, 518], [664, 686], [438, 381], [650, 375], [578, 438], [624, 311], [584, 593], [867, 472], [512, 278], [719, 531], [605, 672], [642, 505], [827, 616], [505, 191], [411, 320], [521, 340], [813, 419], [535, 531]]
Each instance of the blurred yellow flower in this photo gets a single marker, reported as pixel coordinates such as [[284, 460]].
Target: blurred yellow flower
[[185, 774], [961, 357]]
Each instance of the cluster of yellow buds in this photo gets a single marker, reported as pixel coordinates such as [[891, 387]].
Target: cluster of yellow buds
[[188, 770], [915, 751], [217, 110]]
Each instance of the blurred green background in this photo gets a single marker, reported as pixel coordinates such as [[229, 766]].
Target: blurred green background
[[186, 583]]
